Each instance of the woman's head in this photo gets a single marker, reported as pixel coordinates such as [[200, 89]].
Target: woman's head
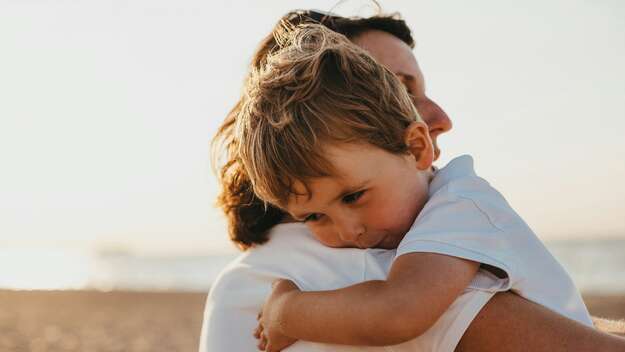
[[388, 39], [398, 57]]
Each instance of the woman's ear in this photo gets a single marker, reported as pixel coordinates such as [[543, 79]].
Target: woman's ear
[[419, 143]]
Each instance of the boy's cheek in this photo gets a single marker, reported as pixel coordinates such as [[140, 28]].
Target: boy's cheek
[[385, 218], [394, 223], [327, 237]]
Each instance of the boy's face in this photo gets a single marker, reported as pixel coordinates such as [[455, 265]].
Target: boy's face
[[371, 202]]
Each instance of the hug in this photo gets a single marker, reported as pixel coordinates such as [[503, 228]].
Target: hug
[[353, 239]]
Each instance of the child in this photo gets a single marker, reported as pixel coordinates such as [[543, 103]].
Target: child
[[331, 137]]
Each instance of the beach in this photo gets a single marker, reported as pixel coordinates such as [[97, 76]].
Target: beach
[[132, 321], [39, 321]]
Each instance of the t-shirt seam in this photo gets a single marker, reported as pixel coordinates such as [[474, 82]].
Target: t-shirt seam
[[484, 212], [447, 187]]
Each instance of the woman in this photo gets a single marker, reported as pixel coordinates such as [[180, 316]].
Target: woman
[[476, 321]]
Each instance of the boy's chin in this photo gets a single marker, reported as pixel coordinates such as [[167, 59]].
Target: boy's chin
[[389, 242]]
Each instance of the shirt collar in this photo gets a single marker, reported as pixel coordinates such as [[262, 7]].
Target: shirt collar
[[459, 167]]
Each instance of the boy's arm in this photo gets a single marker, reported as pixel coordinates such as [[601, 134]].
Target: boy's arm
[[419, 288]]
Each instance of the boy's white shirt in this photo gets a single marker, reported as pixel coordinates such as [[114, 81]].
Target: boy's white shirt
[[464, 217]]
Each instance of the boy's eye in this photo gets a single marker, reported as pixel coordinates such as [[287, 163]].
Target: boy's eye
[[352, 197], [312, 217]]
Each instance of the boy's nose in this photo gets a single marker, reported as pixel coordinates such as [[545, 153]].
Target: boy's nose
[[350, 230]]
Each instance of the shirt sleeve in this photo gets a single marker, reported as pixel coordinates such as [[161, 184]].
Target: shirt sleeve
[[458, 226]]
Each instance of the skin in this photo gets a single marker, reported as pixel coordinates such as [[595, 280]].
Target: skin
[[399, 58], [364, 206], [511, 323], [507, 321]]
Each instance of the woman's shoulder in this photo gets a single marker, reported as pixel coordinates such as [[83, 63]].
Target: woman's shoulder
[[293, 253], [269, 261], [290, 245], [292, 235]]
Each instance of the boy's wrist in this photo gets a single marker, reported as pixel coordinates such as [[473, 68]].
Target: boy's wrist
[[287, 301], [283, 302]]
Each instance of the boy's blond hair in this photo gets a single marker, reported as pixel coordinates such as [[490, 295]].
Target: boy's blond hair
[[315, 88]]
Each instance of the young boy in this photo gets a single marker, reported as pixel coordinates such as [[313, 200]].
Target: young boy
[[331, 137]]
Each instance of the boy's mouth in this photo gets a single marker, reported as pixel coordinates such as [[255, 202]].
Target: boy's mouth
[[389, 242], [364, 243], [379, 243]]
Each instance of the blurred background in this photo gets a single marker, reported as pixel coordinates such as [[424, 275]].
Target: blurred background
[[107, 109]]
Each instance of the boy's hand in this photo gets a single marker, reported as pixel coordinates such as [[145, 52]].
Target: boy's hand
[[269, 329]]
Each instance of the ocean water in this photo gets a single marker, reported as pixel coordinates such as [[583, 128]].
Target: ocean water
[[596, 267]]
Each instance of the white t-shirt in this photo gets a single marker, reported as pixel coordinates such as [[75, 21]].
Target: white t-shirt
[[240, 290], [465, 217]]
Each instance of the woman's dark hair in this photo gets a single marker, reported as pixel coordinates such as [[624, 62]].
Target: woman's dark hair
[[249, 218]]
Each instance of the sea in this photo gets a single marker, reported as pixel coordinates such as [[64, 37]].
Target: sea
[[596, 266]]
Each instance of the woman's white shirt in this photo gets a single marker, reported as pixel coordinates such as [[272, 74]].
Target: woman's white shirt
[[238, 293]]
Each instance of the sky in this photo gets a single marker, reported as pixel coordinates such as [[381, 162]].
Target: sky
[[107, 109]]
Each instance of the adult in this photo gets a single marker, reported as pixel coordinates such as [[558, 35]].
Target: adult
[[475, 321]]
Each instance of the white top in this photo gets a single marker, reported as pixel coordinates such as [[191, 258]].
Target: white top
[[465, 217], [238, 293]]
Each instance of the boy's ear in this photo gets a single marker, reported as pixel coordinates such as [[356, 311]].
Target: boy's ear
[[419, 143]]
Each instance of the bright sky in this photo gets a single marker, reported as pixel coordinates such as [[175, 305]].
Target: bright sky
[[107, 109]]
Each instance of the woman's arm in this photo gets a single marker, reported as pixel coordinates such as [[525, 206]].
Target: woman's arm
[[418, 290], [511, 323]]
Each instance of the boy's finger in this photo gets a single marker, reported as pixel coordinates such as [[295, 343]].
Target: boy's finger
[[259, 315], [262, 345], [270, 348], [258, 331]]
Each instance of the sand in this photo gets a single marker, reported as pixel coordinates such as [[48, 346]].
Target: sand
[[96, 321], [131, 321]]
